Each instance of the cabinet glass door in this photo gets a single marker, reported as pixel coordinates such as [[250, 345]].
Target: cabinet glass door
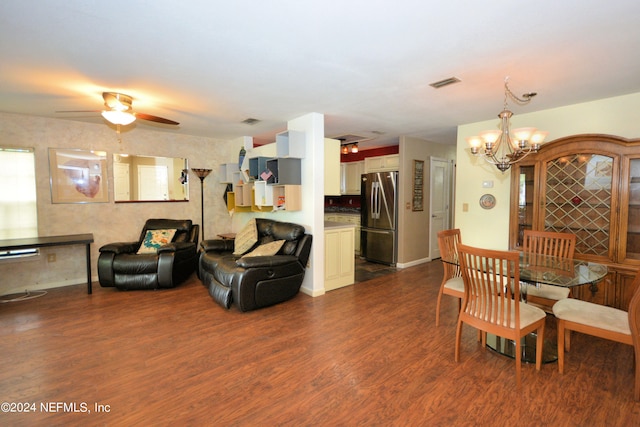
[[633, 222], [525, 201], [578, 200]]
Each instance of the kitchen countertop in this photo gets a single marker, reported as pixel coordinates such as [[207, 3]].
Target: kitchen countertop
[[345, 211], [333, 225]]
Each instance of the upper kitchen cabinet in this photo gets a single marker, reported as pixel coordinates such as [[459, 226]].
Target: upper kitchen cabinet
[[386, 163], [350, 173], [588, 185], [331, 167]]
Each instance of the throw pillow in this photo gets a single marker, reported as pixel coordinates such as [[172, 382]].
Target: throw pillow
[[155, 239], [246, 238], [267, 249]]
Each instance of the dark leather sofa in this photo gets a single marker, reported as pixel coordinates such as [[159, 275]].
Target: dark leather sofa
[[120, 266], [255, 282]]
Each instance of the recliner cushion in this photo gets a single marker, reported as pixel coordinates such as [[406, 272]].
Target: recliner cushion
[[246, 238], [154, 239], [268, 249]]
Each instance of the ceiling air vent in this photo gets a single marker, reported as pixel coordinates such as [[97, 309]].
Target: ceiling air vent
[[445, 82], [250, 121]]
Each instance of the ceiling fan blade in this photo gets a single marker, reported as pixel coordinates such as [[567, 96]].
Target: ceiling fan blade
[[156, 119], [79, 111]]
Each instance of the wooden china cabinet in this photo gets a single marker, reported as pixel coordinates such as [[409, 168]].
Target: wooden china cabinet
[[588, 185]]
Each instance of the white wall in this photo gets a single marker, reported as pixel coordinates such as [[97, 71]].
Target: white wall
[[490, 228], [109, 222]]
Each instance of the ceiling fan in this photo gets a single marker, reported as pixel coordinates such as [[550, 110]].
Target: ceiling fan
[[119, 111]]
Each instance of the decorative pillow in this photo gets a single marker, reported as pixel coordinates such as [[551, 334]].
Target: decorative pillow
[[246, 238], [267, 249], [155, 239]]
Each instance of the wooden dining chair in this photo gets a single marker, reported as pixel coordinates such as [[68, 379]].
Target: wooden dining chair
[[452, 283], [550, 243], [603, 322], [491, 301]]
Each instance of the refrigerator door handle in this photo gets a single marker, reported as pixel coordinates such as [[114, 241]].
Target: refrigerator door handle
[[376, 204], [372, 204]]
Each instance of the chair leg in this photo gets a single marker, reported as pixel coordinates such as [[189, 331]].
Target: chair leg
[[458, 337], [438, 308], [636, 387], [518, 360], [561, 339], [539, 346]]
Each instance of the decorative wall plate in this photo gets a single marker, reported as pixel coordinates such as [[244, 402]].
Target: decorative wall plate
[[487, 201]]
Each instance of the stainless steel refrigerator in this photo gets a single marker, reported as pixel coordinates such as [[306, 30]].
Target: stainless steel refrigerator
[[379, 217]]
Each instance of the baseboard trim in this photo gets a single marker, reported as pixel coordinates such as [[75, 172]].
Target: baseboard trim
[[413, 263]]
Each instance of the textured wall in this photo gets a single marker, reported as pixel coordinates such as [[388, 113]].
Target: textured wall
[[109, 222]]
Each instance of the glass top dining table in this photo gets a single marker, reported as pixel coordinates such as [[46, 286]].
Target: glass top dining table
[[550, 270], [543, 269]]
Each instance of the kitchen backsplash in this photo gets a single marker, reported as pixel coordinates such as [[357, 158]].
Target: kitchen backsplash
[[342, 204]]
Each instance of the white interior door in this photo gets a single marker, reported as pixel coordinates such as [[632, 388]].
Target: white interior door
[[153, 182], [440, 184], [122, 183]]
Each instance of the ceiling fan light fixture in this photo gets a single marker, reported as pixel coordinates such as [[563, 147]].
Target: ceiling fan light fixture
[[118, 117]]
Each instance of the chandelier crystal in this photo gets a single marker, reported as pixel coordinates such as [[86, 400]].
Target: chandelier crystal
[[504, 147]]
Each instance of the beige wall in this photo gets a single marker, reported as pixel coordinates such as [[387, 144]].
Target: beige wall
[[489, 228], [413, 227], [109, 222]]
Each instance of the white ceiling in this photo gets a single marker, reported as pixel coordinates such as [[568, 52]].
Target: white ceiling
[[365, 64]]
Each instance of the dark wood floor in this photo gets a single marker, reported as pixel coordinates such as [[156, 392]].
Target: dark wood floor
[[363, 355]]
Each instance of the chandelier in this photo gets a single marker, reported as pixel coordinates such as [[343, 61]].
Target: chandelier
[[503, 147]]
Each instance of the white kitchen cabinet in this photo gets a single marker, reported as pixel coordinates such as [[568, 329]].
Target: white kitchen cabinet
[[347, 219], [339, 262], [390, 162], [332, 167], [350, 173]]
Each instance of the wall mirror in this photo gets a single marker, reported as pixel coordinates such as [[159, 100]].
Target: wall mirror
[[150, 179]]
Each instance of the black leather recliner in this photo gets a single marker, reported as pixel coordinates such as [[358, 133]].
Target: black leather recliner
[[260, 281], [120, 266]]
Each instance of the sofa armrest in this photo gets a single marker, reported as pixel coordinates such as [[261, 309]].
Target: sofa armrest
[[219, 245], [121, 247], [266, 261]]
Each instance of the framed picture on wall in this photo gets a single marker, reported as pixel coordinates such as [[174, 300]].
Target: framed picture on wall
[[418, 185], [78, 176]]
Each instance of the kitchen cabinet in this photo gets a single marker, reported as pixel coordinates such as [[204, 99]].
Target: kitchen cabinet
[[339, 262], [588, 185], [348, 219], [350, 173], [386, 163], [332, 168]]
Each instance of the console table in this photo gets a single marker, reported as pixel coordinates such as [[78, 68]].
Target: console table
[[42, 242]]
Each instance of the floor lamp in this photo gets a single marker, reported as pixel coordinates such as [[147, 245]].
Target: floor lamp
[[202, 174]]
